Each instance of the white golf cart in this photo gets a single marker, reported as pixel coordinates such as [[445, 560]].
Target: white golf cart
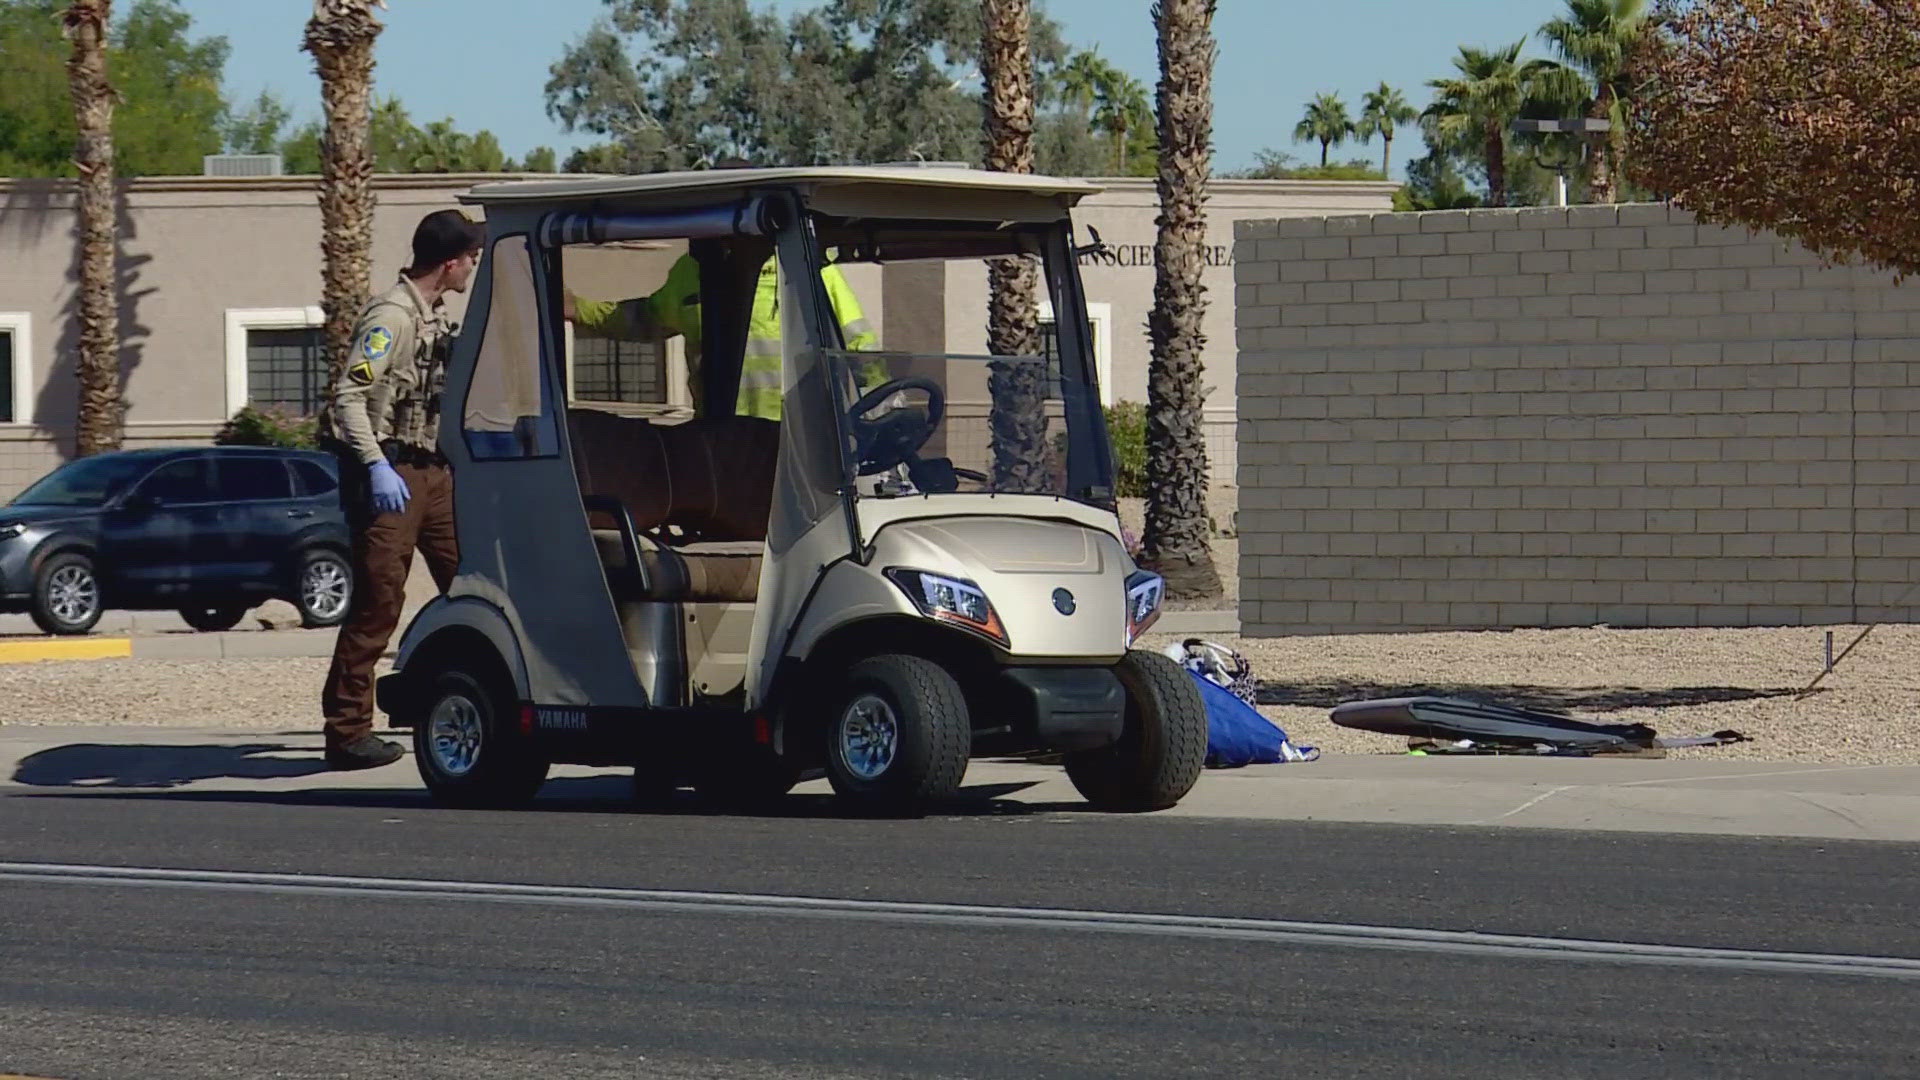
[[919, 563]]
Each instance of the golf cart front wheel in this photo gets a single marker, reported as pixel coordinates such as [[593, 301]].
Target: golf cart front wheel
[[1161, 749], [467, 750], [898, 736]]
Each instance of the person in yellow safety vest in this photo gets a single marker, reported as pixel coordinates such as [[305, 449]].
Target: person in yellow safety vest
[[675, 307]]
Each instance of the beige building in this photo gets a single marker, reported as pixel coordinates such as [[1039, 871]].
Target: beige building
[[220, 290]]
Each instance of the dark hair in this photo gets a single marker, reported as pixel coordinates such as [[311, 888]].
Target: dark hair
[[444, 235]]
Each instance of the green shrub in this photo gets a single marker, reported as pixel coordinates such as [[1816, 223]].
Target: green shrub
[[1127, 430], [1127, 427], [271, 426]]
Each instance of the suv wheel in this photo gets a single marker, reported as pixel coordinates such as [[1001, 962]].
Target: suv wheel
[[66, 595], [323, 588], [466, 747], [898, 736], [213, 618]]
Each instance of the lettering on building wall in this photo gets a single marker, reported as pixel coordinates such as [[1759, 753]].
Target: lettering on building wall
[[1141, 255]]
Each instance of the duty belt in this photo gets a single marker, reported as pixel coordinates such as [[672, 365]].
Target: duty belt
[[400, 453]]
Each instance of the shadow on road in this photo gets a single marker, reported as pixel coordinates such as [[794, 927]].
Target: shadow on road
[[1326, 693], [166, 772], [149, 766]]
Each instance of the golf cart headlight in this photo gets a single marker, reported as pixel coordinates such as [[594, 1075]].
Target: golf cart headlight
[[950, 600], [1145, 590]]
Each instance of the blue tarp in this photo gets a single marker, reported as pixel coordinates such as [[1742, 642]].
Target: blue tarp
[[1238, 735]]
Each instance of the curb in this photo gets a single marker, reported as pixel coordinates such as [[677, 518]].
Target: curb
[[77, 648], [1197, 622]]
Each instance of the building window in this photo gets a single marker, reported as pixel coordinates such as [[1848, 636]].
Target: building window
[[16, 353], [287, 368], [275, 356], [629, 372], [1099, 329]]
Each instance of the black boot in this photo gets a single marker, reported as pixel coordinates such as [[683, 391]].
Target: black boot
[[363, 752]]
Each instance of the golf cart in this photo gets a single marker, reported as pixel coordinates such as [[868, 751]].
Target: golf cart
[[917, 563]]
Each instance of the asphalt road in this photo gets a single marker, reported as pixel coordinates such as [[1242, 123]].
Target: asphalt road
[[337, 970]]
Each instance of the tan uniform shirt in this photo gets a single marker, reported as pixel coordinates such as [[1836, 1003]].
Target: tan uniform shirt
[[392, 383]]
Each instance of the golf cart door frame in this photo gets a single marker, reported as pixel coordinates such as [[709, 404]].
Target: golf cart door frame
[[813, 523], [522, 527]]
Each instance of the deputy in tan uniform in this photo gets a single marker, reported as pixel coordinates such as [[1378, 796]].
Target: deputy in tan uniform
[[397, 489]]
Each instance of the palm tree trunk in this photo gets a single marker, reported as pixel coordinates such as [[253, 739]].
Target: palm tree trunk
[[1324, 147], [1021, 461], [340, 36], [1176, 540], [1496, 166], [1386, 156], [1600, 150], [98, 425]]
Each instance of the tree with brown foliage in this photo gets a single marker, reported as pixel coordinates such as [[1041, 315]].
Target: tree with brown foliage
[[1177, 534], [1018, 389], [98, 427], [340, 36], [1797, 116]]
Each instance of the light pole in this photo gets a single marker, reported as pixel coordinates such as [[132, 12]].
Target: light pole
[[1558, 163]]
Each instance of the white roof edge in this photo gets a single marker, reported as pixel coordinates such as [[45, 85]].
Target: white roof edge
[[548, 190]]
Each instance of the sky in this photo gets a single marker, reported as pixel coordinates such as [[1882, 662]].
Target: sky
[[484, 62]]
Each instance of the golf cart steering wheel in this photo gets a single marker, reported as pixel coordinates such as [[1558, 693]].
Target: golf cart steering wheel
[[892, 440]]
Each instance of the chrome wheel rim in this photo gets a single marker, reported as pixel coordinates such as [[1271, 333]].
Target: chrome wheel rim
[[324, 588], [454, 735], [72, 595], [869, 736]]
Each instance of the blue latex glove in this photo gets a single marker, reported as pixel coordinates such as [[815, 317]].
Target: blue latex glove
[[390, 493]]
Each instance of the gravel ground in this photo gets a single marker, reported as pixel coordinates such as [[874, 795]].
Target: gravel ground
[[238, 695], [1679, 682]]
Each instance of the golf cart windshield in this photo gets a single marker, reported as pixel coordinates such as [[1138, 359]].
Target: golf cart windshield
[[942, 405]]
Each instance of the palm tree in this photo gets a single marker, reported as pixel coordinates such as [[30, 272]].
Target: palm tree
[[1176, 540], [340, 36], [1384, 111], [1596, 38], [97, 428], [1082, 79], [1482, 102], [1020, 458], [1325, 122], [1124, 109]]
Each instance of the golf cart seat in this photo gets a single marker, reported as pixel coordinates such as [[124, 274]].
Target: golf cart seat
[[711, 480]]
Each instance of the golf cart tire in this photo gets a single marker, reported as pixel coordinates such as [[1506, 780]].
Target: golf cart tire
[[504, 772], [1162, 748], [933, 737]]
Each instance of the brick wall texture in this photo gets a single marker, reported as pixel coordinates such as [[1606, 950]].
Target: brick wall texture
[[1569, 417]]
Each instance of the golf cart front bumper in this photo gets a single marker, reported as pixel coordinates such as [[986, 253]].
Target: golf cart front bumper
[[1071, 708]]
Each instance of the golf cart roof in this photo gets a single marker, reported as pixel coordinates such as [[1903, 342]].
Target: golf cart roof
[[849, 190]]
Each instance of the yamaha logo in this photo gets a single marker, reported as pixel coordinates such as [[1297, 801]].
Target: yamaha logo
[[561, 719], [1063, 601]]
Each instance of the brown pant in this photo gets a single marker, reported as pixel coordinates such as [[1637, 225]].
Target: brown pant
[[383, 553]]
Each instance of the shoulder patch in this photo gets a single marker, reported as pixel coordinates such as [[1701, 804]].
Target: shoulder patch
[[376, 343], [361, 373]]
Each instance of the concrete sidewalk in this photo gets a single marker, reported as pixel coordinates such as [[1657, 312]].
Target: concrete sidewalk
[[1691, 795]]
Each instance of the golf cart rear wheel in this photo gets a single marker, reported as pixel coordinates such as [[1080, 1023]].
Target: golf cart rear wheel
[[898, 736], [1162, 748], [467, 749]]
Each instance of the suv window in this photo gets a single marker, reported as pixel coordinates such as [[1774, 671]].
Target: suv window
[[188, 480], [314, 478], [252, 479]]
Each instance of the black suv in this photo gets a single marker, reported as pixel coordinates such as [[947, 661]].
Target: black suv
[[207, 531]]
